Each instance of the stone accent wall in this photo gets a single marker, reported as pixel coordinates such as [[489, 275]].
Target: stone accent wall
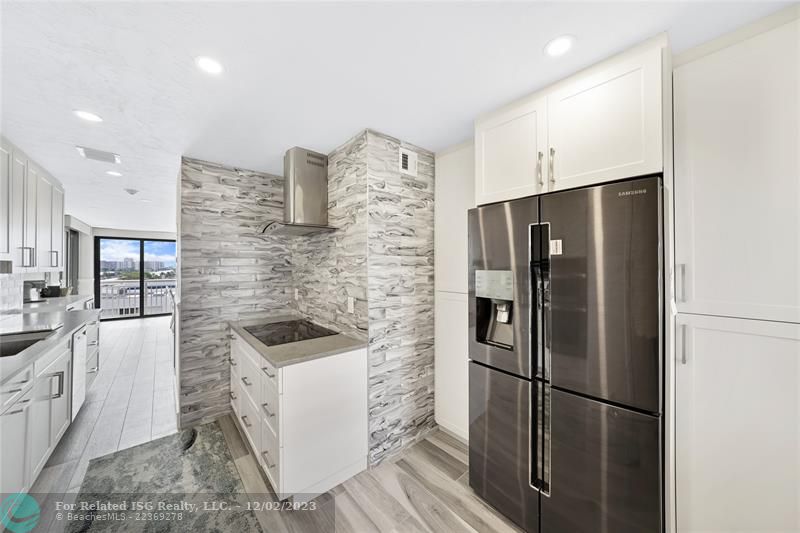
[[11, 292], [400, 281], [228, 272], [330, 267]]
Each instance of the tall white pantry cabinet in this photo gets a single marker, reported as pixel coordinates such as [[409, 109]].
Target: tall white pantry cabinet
[[737, 284]]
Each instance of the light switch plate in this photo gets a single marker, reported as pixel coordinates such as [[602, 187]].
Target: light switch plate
[[555, 247]]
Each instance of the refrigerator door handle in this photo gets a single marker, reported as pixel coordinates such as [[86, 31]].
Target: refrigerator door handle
[[545, 440]]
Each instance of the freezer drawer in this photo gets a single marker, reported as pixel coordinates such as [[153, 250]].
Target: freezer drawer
[[605, 291], [499, 444], [605, 468]]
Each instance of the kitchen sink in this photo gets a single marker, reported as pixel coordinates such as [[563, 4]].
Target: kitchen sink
[[14, 343]]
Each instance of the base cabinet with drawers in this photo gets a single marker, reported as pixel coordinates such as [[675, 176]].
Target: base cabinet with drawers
[[305, 422], [36, 412]]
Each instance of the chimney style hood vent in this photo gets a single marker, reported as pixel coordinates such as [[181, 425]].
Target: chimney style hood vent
[[305, 195]]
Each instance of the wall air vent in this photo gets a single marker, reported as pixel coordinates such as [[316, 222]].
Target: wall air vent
[[98, 155], [408, 162]]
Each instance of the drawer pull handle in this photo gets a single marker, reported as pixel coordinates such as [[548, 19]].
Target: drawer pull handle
[[267, 460], [266, 410], [93, 343], [233, 363], [246, 381], [93, 370], [246, 422], [266, 371], [233, 396], [12, 391]]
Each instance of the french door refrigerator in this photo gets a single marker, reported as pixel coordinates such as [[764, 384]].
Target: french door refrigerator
[[566, 358]]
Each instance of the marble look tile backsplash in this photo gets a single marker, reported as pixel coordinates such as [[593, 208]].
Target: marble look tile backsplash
[[11, 292], [228, 272], [330, 267]]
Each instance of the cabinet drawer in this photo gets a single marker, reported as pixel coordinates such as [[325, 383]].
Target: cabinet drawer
[[16, 387], [250, 422], [53, 353], [250, 379], [269, 455], [269, 404], [245, 350], [235, 391]]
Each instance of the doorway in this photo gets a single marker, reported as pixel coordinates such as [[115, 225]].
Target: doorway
[[133, 277]]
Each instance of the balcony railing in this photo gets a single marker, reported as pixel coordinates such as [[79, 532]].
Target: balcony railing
[[120, 298]]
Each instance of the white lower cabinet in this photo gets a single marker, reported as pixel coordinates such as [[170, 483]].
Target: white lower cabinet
[[737, 425], [451, 362], [35, 418], [14, 456], [305, 422]]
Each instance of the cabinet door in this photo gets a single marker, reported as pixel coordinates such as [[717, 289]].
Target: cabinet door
[[60, 376], [23, 258], [737, 425], [57, 232], [14, 425], [737, 191], [44, 218], [510, 152], [40, 432], [30, 212], [451, 362], [605, 124], [5, 202]]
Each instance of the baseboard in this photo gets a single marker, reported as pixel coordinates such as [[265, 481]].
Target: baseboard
[[454, 431], [321, 487]]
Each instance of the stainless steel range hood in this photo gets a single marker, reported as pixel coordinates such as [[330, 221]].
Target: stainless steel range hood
[[305, 195]]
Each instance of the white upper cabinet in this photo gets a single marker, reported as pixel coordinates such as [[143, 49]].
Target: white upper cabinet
[[737, 179], [31, 213], [6, 247], [737, 425], [602, 124], [510, 146], [605, 123]]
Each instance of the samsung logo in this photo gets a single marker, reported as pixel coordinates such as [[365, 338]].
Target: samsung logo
[[634, 192]]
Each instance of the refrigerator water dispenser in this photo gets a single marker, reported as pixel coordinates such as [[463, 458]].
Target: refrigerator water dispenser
[[494, 304]]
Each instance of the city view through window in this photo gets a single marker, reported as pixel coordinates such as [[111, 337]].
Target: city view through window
[[135, 276]]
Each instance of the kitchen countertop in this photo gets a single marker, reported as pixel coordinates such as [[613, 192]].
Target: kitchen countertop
[[55, 304], [295, 352], [71, 321]]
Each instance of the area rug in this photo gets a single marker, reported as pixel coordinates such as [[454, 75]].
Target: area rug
[[184, 482]]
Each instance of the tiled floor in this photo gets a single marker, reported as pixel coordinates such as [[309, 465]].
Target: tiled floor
[[131, 401]]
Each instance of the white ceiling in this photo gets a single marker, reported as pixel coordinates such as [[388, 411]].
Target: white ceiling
[[295, 74]]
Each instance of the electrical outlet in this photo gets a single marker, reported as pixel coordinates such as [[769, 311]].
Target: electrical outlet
[[351, 304]]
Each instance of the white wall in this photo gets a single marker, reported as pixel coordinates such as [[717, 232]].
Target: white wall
[[455, 194]]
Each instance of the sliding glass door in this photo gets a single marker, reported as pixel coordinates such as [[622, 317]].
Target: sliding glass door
[[133, 277]]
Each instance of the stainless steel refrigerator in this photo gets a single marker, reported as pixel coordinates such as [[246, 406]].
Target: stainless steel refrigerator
[[566, 358]]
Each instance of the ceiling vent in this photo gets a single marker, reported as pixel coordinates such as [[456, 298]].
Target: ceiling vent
[[98, 155], [408, 162]]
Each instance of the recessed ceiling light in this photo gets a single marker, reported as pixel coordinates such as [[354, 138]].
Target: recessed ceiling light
[[559, 46], [113, 173], [145, 200], [88, 116], [208, 64]]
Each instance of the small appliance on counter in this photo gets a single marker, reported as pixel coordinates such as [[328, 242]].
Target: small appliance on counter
[[51, 291], [32, 291]]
